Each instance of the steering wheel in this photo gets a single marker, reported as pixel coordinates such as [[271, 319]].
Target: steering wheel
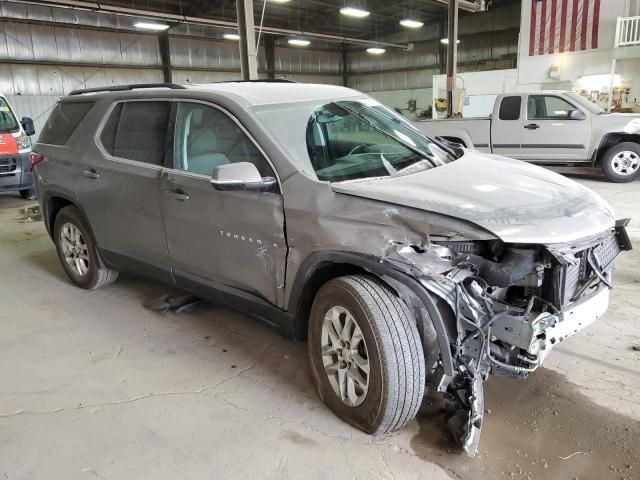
[[354, 149]]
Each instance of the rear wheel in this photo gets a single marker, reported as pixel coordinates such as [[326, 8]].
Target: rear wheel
[[621, 163], [365, 353], [77, 251], [26, 193]]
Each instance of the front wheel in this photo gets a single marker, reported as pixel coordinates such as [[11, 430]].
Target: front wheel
[[621, 163], [366, 356]]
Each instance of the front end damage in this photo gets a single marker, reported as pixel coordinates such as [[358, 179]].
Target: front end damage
[[508, 305]]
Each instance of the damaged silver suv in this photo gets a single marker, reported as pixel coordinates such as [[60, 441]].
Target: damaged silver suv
[[407, 262]]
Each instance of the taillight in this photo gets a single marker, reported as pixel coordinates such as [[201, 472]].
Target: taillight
[[35, 158]]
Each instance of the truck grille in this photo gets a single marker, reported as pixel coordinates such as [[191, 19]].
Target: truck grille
[[8, 165]]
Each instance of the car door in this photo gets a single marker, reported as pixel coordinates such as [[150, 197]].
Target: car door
[[227, 240], [120, 184], [550, 134], [506, 127]]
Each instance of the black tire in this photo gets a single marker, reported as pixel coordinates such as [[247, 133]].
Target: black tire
[[26, 193], [609, 159], [397, 366], [96, 276]]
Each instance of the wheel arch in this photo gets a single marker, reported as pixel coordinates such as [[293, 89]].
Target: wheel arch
[[609, 140], [321, 267]]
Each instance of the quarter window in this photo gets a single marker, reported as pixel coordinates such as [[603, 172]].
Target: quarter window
[[548, 107], [63, 121], [137, 131], [510, 108], [207, 138]]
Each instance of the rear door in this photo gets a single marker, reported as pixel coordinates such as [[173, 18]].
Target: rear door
[[120, 183], [228, 240], [549, 133], [506, 126]]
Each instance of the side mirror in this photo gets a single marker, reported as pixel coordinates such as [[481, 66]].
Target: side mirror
[[27, 126], [577, 114], [241, 176]]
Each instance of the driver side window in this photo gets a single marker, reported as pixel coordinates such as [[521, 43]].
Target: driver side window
[[548, 107], [206, 138]]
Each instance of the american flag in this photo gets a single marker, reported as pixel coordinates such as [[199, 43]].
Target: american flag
[[563, 26]]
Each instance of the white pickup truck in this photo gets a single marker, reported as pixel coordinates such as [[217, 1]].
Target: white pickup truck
[[550, 128]]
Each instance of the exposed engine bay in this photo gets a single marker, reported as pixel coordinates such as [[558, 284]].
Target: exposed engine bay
[[509, 305]]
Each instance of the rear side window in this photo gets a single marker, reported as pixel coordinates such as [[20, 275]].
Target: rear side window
[[510, 108], [137, 131], [63, 121]]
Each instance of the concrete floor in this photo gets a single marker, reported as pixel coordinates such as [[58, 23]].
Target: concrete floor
[[93, 385]]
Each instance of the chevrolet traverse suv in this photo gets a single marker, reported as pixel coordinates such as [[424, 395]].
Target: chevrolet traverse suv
[[406, 262]]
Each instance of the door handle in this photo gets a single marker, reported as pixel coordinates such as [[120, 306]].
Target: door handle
[[532, 126], [178, 195], [91, 173]]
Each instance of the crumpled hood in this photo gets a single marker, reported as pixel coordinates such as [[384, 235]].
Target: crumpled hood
[[516, 201]]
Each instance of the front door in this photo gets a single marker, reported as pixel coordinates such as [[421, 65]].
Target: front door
[[119, 185], [228, 240], [549, 134]]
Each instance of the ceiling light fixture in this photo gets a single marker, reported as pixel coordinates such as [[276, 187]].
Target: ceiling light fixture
[[354, 12], [407, 22], [280, 1], [376, 50], [232, 36], [157, 27], [445, 41], [299, 42]]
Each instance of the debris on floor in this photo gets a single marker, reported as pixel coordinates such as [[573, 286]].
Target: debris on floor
[[30, 214], [181, 304], [636, 347]]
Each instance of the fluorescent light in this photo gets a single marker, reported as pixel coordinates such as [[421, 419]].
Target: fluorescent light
[[407, 22], [151, 26], [280, 1], [376, 50], [445, 41], [354, 12], [299, 42], [231, 36]]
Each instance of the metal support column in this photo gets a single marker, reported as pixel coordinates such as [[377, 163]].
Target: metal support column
[[452, 53], [165, 56], [345, 66], [613, 74], [270, 54], [246, 29]]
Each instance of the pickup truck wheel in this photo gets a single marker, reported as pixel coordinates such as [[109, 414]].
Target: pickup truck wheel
[[26, 193], [366, 356], [77, 252], [621, 163]]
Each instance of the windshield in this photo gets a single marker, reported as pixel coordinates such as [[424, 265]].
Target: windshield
[[586, 103], [351, 140], [8, 122]]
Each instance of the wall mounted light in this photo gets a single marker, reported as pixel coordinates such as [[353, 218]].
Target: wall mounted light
[[376, 50]]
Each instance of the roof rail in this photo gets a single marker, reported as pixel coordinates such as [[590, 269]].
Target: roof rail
[[123, 88], [260, 80]]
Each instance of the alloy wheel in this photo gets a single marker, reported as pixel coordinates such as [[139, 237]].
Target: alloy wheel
[[625, 163], [74, 249], [345, 357]]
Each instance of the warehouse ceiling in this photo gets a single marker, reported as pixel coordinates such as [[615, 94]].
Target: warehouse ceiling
[[312, 15]]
